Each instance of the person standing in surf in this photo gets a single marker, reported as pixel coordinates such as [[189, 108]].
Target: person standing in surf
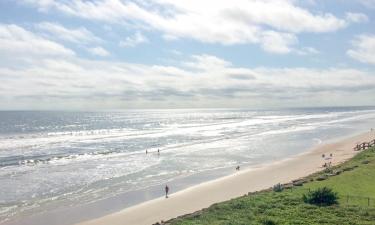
[[166, 191]]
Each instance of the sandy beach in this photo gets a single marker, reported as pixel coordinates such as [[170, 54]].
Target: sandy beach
[[235, 185]]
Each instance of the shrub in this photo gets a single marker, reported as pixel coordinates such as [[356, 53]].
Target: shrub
[[300, 183], [268, 222], [320, 178], [322, 197], [327, 170], [278, 188]]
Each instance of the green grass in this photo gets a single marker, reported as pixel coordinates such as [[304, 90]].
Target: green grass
[[358, 182], [287, 207]]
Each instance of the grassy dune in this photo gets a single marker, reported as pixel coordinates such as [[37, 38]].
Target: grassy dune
[[358, 182], [355, 178]]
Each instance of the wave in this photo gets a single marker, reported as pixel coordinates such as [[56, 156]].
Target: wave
[[202, 128], [28, 146]]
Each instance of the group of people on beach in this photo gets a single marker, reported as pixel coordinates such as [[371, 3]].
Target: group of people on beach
[[326, 165], [329, 164], [324, 155]]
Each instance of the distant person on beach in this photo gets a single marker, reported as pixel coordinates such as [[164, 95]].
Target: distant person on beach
[[323, 156], [146, 152], [166, 191], [158, 152], [238, 168]]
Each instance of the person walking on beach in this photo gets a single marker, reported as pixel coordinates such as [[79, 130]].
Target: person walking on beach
[[166, 191]]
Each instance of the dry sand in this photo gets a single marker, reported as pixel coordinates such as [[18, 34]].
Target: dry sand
[[238, 184]]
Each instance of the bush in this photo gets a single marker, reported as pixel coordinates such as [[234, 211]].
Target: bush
[[328, 170], [278, 188], [300, 183], [322, 197], [268, 222], [320, 178]]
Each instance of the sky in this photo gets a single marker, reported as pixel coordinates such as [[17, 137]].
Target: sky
[[135, 54]]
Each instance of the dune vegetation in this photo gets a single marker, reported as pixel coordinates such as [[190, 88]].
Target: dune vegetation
[[353, 182]]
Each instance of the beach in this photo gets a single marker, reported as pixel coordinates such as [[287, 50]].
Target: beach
[[85, 165], [239, 183]]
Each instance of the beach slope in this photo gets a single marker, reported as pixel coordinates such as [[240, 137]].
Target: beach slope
[[238, 184]]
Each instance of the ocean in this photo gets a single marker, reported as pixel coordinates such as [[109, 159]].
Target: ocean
[[55, 161]]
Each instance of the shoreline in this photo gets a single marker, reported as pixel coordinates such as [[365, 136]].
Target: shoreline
[[225, 188]]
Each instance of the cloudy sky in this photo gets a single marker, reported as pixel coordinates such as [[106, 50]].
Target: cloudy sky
[[120, 54]]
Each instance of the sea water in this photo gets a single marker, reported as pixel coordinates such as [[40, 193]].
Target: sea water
[[57, 160]]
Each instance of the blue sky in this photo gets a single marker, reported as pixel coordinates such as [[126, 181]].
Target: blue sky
[[117, 54]]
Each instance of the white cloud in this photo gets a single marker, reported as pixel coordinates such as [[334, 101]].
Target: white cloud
[[99, 51], [224, 22], [363, 49], [15, 41], [77, 35], [200, 81], [207, 62], [276, 42], [357, 17], [134, 40]]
